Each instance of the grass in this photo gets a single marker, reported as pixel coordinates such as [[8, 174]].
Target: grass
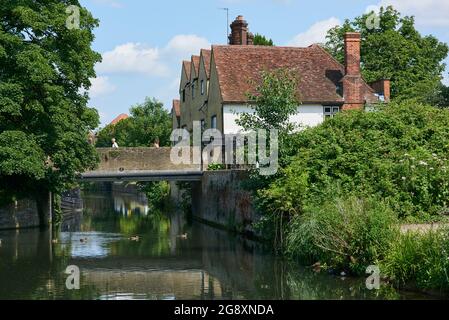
[[347, 234], [420, 259]]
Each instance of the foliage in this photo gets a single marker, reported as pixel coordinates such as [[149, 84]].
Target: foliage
[[215, 167], [185, 189], [418, 258], [260, 40], [149, 121], [157, 193], [274, 102], [348, 233], [44, 74], [398, 153], [395, 51]]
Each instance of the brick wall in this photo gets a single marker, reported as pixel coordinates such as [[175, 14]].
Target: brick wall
[[131, 159], [219, 199], [24, 214]]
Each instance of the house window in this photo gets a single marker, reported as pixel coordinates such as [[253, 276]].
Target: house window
[[202, 87], [213, 122], [193, 91], [330, 112], [184, 95]]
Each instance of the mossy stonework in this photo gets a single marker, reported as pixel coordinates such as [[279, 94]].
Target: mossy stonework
[[220, 199]]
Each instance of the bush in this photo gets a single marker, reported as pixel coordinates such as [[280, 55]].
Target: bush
[[157, 193], [422, 259], [348, 233], [398, 154]]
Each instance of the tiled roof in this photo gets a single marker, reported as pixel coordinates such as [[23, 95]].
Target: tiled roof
[[206, 58], [320, 74], [196, 64], [177, 107], [187, 67], [121, 117]]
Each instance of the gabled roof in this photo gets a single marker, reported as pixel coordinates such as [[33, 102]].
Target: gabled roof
[[196, 64], [177, 108], [186, 65], [319, 73], [206, 58], [121, 117]]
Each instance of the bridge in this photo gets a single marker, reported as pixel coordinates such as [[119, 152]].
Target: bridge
[[140, 164]]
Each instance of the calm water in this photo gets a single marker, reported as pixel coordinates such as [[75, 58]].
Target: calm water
[[209, 264]]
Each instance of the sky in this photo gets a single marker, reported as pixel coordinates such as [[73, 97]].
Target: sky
[[144, 42]]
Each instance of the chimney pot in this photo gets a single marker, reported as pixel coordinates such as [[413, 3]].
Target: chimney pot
[[239, 32]]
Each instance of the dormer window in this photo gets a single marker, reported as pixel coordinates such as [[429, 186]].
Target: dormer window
[[193, 91], [202, 88], [183, 95]]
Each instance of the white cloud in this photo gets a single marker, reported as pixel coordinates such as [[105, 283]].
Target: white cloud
[[315, 34], [142, 59], [187, 44], [101, 86], [132, 58], [431, 13]]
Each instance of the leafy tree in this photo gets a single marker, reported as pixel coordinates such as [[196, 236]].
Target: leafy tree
[[440, 97], [149, 121], [44, 75], [396, 51], [260, 40], [275, 100]]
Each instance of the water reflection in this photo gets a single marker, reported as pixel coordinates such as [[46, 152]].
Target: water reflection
[[208, 264]]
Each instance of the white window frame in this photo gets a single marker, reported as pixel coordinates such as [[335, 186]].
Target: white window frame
[[330, 111]]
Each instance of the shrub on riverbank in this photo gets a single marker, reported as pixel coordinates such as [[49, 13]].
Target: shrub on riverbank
[[398, 153], [421, 259], [347, 233]]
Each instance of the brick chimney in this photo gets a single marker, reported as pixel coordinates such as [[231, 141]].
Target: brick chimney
[[239, 32], [352, 81]]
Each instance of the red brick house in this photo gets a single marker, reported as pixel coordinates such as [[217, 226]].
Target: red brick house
[[215, 84]]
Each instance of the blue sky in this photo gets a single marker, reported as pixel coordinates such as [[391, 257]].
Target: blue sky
[[143, 42]]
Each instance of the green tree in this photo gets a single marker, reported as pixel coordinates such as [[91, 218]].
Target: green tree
[[260, 40], [275, 100], [149, 121], [44, 76], [396, 51]]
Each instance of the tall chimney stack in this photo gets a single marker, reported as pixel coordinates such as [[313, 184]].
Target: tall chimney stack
[[239, 32], [352, 53], [352, 81]]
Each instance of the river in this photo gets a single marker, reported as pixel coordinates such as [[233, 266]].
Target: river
[[172, 259]]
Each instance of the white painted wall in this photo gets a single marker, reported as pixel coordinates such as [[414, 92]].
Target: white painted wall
[[307, 116]]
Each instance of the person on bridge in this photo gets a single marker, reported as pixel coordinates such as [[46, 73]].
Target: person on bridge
[[156, 143], [114, 144]]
